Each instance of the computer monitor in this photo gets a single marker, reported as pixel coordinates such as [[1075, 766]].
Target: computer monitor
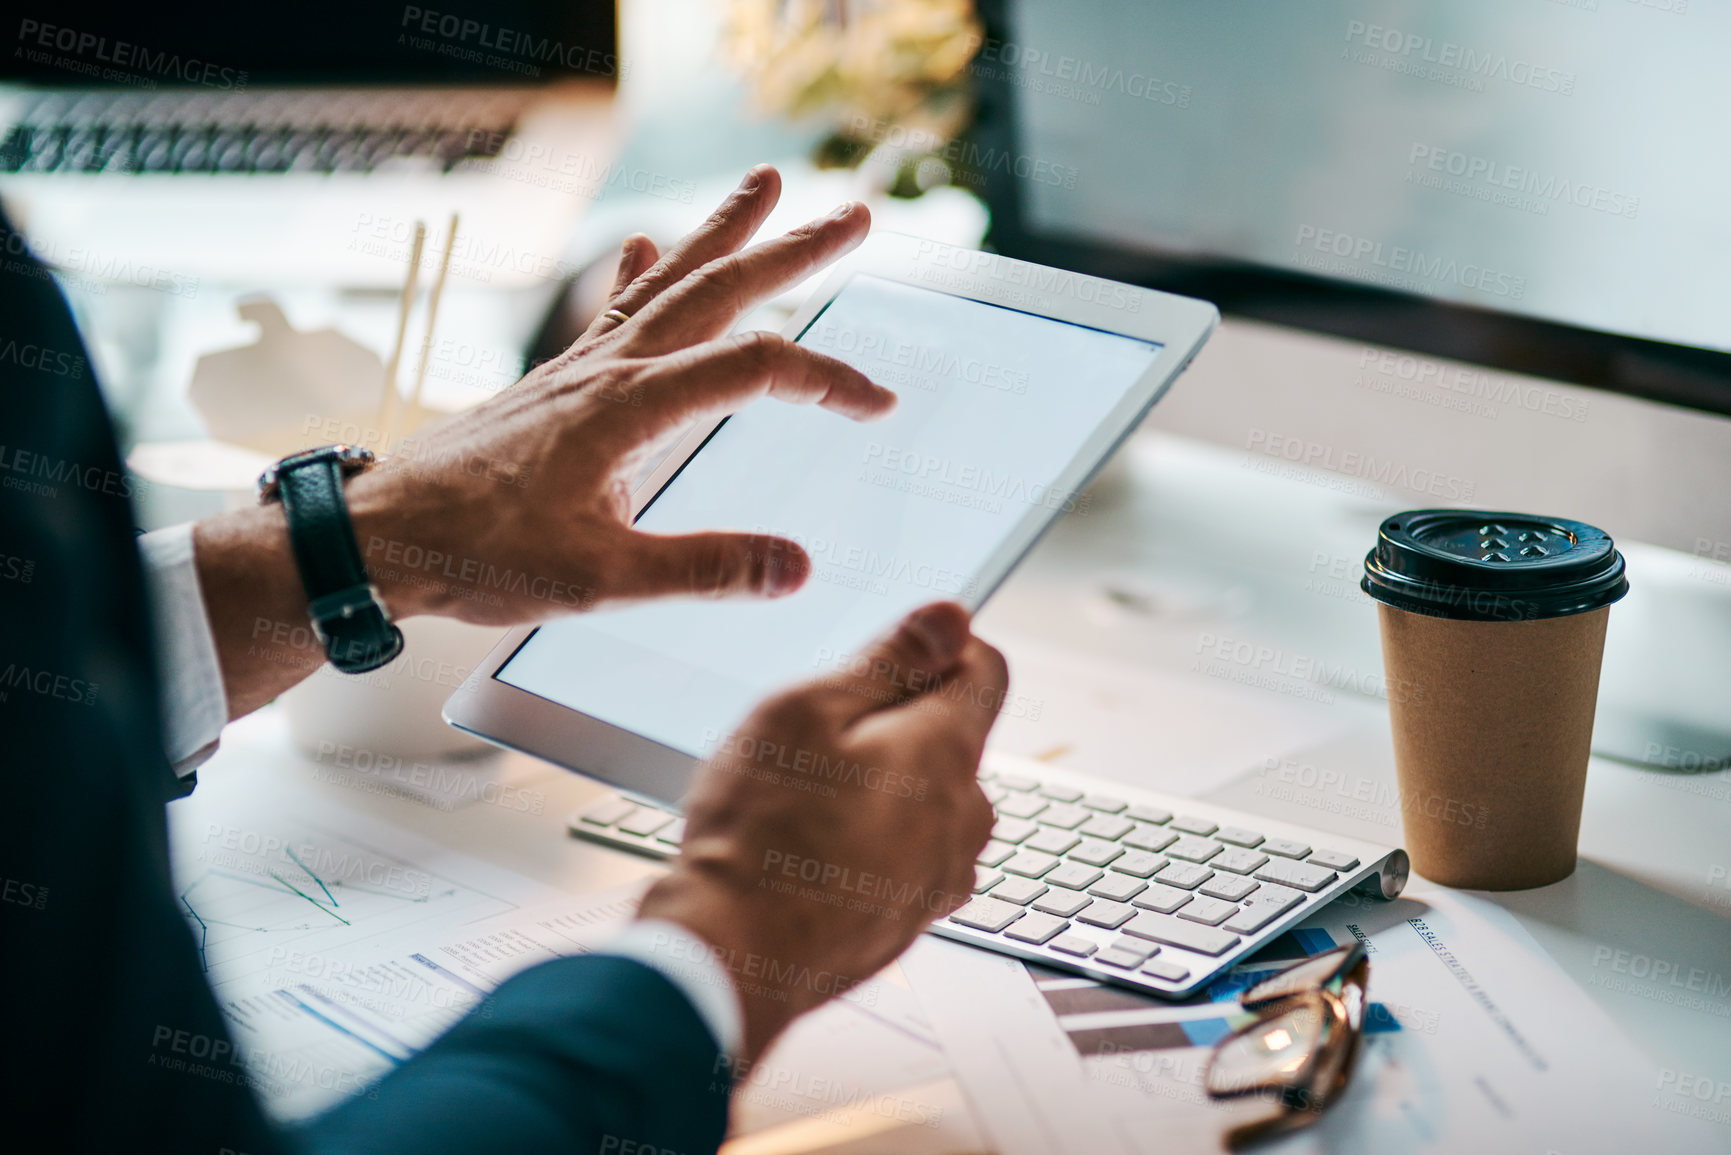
[[226, 46], [1539, 187]]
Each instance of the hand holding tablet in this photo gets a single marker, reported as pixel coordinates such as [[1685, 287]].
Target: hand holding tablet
[[946, 407]]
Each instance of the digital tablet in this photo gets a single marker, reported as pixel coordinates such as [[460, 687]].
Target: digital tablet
[[1015, 382]]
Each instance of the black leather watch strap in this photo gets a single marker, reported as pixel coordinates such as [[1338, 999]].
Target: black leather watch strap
[[344, 607]]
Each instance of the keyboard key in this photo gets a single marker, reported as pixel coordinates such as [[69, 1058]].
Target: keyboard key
[[647, 820], [1074, 944], [1036, 928], [994, 852], [672, 835], [1101, 912], [988, 914], [1163, 929], [1058, 792], [1139, 863], [1020, 891], [1162, 968], [1096, 852], [1104, 803], [1016, 781], [1114, 957], [1013, 829], [1285, 848], [1333, 860], [1237, 860], [1061, 902], [1190, 824], [1164, 899], [1118, 887], [1029, 863], [1135, 946], [1106, 826], [1209, 911], [985, 879], [1227, 886], [1193, 849], [1142, 812], [1050, 841], [1300, 874], [1021, 805], [1187, 875], [1074, 875], [1064, 816], [1238, 836], [608, 811], [993, 792], [1147, 837], [1262, 908]]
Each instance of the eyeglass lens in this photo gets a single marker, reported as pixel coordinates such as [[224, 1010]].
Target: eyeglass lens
[[1273, 1052]]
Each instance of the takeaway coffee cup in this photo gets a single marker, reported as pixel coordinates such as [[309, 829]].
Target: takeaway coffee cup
[[1493, 627]]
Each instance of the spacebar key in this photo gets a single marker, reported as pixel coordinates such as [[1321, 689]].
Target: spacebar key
[[1160, 928]]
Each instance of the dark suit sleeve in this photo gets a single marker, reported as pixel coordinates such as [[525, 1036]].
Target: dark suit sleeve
[[594, 1055], [113, 1039]]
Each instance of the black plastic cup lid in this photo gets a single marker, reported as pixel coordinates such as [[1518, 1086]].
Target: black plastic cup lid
[[1473, 565]]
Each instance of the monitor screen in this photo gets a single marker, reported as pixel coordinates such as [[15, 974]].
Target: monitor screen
[[993, 405], [1556, 161]]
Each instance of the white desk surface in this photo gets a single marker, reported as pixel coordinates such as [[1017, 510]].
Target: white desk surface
[[1102, 626]]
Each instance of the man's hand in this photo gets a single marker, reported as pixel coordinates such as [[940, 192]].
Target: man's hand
[[536, 482], [519, 510], [840, 819]]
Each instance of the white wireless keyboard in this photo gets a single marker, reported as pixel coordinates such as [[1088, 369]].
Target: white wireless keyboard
[[1134, 887]]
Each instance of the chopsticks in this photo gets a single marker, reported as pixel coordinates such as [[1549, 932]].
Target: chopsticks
[[393, 411]]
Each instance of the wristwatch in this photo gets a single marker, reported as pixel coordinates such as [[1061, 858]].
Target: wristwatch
[[347, 613]]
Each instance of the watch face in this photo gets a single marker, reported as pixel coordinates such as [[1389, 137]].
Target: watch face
[[351, 459]]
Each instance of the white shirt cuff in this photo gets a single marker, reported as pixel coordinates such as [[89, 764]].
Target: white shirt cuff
[[195, 707], [688, 963]]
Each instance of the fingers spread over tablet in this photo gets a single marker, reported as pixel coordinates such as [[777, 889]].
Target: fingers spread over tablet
[[723, 376], [715, 565], [730, 226], [706, 303]]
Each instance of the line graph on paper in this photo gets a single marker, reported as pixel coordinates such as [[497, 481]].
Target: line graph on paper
[[288, 896]]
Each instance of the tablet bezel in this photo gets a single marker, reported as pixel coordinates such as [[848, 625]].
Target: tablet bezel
[[517, 719]]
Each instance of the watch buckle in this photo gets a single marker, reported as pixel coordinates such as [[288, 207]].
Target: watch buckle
[[344, 604]]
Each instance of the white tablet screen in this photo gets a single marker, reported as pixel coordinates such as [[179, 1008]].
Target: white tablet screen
[[993, 406]]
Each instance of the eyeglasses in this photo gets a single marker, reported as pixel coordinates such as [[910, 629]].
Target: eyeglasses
[[1300, 1049]]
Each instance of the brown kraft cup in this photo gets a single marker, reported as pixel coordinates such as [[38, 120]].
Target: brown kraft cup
[[1493, 629]]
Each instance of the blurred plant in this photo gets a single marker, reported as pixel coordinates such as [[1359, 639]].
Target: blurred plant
[[877, 73]]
